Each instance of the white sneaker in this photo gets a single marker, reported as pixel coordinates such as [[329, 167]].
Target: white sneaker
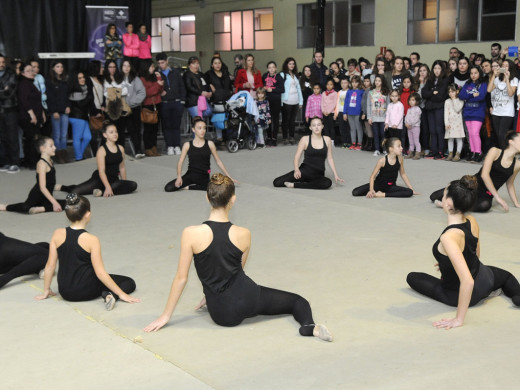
[[13, 169], [171, 151], [177, 150], [376, 153], [385, 153], [139, 156]]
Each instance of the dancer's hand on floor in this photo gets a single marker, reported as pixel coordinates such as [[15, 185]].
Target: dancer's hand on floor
[[338, 179], [108, 193], [416, 193], [502, 203], [371, 194], [129, 299], [45, 295], [201, 304], [448, 323], [157, 324]]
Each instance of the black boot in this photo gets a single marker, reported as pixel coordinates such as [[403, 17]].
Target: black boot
[[370, 145]]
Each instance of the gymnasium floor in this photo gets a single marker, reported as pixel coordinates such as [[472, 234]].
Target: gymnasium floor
[[348, 256]]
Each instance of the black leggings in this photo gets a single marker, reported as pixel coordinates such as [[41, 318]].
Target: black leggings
[[289, 112], [311, 179], [192, 180], [501, 125], [119, 187], [483, 203], [35, 199], [487, 280], [19, 258], [98, 289], [392, 191], [245, 299], [275, 107]]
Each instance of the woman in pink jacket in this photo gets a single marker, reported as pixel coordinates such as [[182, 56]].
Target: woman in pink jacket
[[131, 45], [145, 44]]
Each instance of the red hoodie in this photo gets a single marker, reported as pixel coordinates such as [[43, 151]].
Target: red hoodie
[[404, 98]]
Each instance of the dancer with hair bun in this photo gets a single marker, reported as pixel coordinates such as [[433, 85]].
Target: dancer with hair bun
[[199, 151], [220, 250], [464, 281], [384, 176], [316, 148], [110, 177], [500, 167], [82, 275], [41, 199]]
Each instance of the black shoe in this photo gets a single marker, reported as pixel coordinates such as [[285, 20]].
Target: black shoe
[[439, 156], [430, 155], [470, 157], [477, 158]]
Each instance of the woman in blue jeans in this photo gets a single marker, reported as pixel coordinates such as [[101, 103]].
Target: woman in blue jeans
[[59, 108], [82, 103]]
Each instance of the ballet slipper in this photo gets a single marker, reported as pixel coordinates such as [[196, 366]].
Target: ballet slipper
[[97, 192], [322, 332], [3, 207], [110, 302], [288, 184], [438, 203]]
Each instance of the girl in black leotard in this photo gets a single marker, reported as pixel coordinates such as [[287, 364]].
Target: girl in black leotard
[[106, 179], [500, 166], [40, 197], [464, 279], [383, 178], [199, 151], [82, 275], [19, 258], [315, 148], [220, 251]]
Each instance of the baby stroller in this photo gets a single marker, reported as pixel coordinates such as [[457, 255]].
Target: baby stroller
[[238, 131]]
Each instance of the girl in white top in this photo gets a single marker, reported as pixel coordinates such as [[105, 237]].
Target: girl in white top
[[502, 86], [338, 113]]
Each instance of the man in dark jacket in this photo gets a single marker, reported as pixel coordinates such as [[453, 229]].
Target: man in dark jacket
[[319, 70], [172, 104], [9, 146]]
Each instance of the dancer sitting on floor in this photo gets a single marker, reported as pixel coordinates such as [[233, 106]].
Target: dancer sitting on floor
[[383, 178], [464, 279], [82, 275], [19, 258], [40, 199], [110, 160], [500, 166], [316, 148], [199, 152], [220, 251]]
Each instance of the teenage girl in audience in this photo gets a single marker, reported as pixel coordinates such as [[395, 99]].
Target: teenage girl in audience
[[376, 111], [199, 152], [464, 281], [316, 148], [219, 250], [384, 176], [473, 93], [59, 108], [435, 93], [500, 167], [292, 98], [274, 87], [81, 274], [154, 87], [40, 199], [110, 177], [81, 105], [502, 86], [367, 86]]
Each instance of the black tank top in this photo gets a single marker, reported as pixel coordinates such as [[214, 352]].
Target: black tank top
[[220, 262], [499, 175], [315, 158], [50, 178], [75, 270], [450, 280], [388, 173], [112, 162], [199, 158]]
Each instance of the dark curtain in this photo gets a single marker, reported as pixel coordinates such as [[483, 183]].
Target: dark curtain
[[28, 27]]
